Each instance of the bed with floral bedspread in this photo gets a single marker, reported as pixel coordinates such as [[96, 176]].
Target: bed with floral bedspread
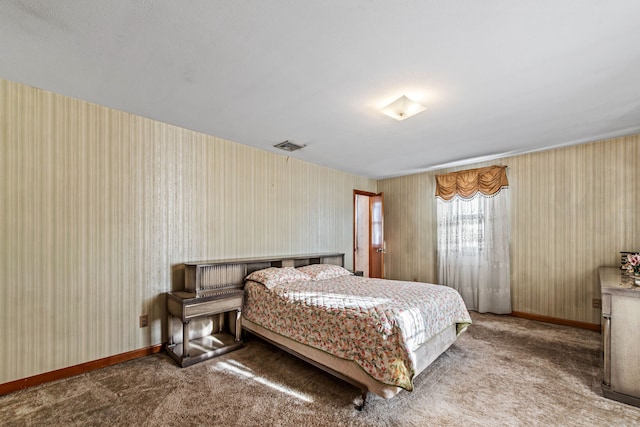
[[375, 323]]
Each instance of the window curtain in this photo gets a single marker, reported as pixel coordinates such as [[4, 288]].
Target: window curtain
[[473, 237]]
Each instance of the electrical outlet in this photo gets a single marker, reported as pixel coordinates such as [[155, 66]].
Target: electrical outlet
[[596, 303], [144, 320]]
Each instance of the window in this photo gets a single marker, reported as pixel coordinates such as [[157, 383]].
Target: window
[[473, 237], [466, 227]]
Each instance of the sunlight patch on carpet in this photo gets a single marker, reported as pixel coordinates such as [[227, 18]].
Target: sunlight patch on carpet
[[239, 369]]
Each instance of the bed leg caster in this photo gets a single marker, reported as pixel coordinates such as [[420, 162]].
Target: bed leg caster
[[360, 407]]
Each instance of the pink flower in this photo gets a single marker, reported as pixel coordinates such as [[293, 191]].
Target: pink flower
[[633, 264], [633, 260]]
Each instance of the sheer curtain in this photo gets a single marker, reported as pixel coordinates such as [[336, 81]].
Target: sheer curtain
[[473, 246]]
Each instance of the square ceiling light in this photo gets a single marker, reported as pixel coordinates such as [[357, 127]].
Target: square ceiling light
[[402, 108]]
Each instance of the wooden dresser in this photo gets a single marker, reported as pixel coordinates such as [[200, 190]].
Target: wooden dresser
[[621, 336]]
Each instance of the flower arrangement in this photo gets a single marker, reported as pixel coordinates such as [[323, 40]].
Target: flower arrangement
[[633, 264]]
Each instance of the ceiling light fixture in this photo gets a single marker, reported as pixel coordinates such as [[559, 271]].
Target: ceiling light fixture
[[402, 108]]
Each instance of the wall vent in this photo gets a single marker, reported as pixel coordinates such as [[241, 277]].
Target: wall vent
[[288, 146]]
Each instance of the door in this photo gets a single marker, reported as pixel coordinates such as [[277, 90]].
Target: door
[[369, 246], [377, 246]]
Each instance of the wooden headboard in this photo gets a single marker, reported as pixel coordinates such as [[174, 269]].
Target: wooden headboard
[[219, 276]]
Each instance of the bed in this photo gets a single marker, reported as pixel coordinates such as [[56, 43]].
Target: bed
[[373, 333]]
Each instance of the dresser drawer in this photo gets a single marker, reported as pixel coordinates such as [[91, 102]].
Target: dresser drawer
[[212, 307]]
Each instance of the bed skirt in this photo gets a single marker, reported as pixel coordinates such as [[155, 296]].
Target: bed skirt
[[348, 370]]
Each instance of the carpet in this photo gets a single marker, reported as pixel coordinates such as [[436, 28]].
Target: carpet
[[503, 371]]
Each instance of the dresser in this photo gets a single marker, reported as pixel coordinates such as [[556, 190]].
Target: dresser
[[621, 336]]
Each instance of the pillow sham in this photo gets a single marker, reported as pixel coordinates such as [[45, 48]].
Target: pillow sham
[[324, 271], [274, 276]]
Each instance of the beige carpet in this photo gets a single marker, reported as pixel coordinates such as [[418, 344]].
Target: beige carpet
[[502, 371]]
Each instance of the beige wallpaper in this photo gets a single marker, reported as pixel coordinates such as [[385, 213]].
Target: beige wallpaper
[[573, 209], [100, 206]]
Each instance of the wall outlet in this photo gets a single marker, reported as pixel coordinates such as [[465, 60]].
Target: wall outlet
[[596, 303], [144, 320]]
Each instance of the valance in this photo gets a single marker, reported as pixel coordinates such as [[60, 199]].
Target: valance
[[467, 183]]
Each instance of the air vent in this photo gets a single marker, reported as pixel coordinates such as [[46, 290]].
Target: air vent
[[288, 146]]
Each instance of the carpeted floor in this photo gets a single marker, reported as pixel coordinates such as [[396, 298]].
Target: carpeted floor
[[502, 371]]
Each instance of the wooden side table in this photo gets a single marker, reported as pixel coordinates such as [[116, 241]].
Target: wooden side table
[[187, 306]]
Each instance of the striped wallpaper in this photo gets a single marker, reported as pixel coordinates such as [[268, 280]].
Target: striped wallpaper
[[572, 209], [100, 207]]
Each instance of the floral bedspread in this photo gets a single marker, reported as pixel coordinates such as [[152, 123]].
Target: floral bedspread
[[376, 323]]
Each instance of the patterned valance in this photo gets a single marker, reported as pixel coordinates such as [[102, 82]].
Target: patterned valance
[[468, 183]]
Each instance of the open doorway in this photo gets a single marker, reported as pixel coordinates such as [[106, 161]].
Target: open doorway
[[368, 239]]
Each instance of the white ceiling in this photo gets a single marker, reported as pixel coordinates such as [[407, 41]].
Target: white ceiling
[[497, 77]]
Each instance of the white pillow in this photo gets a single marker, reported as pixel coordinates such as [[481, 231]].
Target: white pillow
[[274, 276], [324, 271]]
